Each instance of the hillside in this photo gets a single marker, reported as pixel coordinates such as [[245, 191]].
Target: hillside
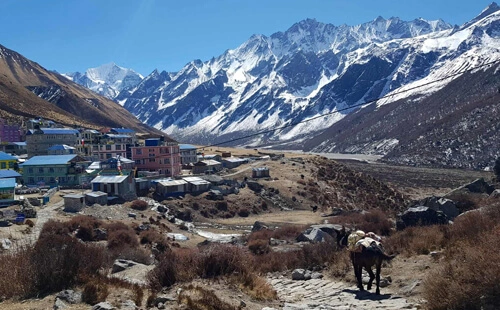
[[28, 90]]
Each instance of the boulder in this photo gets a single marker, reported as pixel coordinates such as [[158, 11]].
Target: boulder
[[331, 229], [312, 235], [316, 275], [447, 206], [5, 243], [299, 274], [100, 234], [495, 194], [255, 186], [163, 299], [59, 305], [128, 305], [70, 296], [258, 226], [421, 216], [122, 264], [103, 306], [276, 242], [479, 186]]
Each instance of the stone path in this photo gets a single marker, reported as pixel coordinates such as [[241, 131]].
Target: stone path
[[43, 215], [321, 294]]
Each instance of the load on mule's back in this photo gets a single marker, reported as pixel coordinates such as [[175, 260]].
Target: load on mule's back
[[365, 250]]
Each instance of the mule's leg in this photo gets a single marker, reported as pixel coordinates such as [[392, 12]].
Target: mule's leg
[[372, 277], [359, 278], [378, 266]]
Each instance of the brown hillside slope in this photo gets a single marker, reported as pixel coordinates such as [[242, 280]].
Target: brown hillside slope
[[69, 103]]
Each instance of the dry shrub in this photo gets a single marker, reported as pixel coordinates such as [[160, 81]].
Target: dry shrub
[[221, 260], [288, 232], [263, 234], [340, 264], [277, 261], [259, 247], [198, 298], [84, 226], [136, 254], [165, 272], [20, 272], [151, 236], [243, 212], [121, 236], [138, 295], [375, 221], [95, 291], [417, 240], [29, 223], [469, 278], [139, 205], [256, 287], [52, 227]]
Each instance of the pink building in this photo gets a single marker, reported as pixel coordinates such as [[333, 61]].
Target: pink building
[[157, 155], [9, 133]]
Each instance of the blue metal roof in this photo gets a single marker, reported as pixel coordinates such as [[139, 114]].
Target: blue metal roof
[[8, 173], [59, 131], [122, 130], [19, 143], [58, 147], [48, 160], [8, 183], [5, 156], [187, 147]]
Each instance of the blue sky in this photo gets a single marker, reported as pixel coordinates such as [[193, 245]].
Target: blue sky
[[71, 35]]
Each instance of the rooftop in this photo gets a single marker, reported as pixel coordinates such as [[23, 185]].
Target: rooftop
[[5, 156], [187, 147], [122, 130], [7, 183], [109, 179], [48, 160], [8, 173], [119, 136], [59, 131]]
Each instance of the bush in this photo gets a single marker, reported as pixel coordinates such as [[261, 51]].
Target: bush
[[121, 236], [165, 272], [95, 291], [197, 298], [417, 240], [375, 221], [259, 247], [139, 205], [29, 223], [243, 212]]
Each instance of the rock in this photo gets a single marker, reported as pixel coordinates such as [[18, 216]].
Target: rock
[[100, 234], [299, 274], [59, 304], [258, 226], [316, 275], [495, 194], [5, 243], [122, 264], [435, 254], [242, 304], [384, 282], [128, 305], [163, 299], [162, 209], [408, 289], [255, 186], [276, 242], [132, 215], [161, 305], [447, 206], [312, 235], [70, 296], [479, 186], [420, 216], [307, 275], [331, 229], [103, 306]]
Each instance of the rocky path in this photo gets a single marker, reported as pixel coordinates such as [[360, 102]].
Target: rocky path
[[322, 294], [43, 215]]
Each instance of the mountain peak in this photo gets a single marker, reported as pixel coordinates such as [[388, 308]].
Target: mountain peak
[[379, 19], [490, 9]]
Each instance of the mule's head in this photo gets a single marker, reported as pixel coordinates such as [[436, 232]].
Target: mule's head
[[342, 236]]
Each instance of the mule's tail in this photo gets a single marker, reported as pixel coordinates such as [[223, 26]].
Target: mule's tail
[[388, 257]]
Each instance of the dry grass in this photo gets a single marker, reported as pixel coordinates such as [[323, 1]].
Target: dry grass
[[417, 240], [198, 298], [374, 220]]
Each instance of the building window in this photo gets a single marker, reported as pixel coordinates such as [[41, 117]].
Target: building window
[[11, 164], [138, 151], [118, 147], [151, 160], [108, 155], [163, 150], [60, 169], [52, 180], [40, 170], [151, 150], [31, 180], [3, 165], [138, 162], [30, 170], [108, 147], [51, 170]]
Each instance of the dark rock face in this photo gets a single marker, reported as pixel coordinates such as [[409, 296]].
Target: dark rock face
[[420, 216]]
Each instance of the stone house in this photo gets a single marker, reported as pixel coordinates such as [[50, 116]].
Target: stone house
[[54, 170], [122, 186]]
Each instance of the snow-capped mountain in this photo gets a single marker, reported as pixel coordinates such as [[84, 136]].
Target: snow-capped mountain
[[107, 80], [268, 81]]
